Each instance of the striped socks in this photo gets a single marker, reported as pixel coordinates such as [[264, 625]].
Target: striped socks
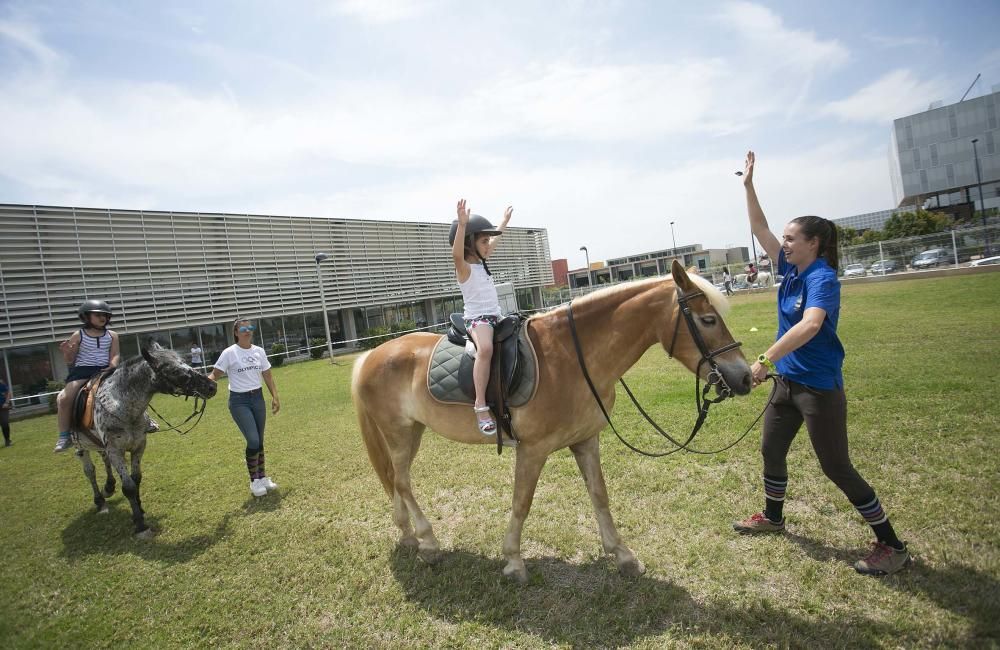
[[255, 464], [871, 509], [774, 496]]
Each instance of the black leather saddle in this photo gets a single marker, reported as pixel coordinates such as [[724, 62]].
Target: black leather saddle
[[505, 354], [505, 368]]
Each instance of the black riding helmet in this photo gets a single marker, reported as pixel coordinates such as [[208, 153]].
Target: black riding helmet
[[92, 306], [477, 225]]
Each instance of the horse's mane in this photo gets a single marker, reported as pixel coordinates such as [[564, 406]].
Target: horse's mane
[[715, 297]]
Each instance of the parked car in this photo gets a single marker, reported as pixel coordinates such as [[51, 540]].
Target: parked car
[[855, 271], [932, 257], [881, 267], [986, 261]]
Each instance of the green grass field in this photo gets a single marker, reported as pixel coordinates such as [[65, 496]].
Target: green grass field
[[317, 565]]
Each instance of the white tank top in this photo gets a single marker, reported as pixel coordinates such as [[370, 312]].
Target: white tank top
[[480, 294], [94, 351]]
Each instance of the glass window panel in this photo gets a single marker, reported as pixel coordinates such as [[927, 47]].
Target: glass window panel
[[30, 371]]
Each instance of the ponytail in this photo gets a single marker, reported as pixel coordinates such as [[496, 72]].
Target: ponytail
[[826, 231]]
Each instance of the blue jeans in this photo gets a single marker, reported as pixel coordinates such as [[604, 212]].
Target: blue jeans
[[250, 414]]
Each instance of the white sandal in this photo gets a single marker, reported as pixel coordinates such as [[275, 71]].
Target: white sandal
[[487, 427]]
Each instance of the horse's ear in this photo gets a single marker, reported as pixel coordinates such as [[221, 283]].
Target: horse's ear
[[151, 345], [680, 276]]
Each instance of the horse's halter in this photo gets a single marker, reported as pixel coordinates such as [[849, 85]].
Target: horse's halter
[[715, 377], [184, 390], [702, 402]]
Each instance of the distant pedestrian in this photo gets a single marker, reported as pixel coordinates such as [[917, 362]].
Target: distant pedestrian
[[5, 412], [727, 280], [196, 356]]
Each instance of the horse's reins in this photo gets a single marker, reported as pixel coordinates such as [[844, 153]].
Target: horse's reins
[[702, 402], [184, 392]]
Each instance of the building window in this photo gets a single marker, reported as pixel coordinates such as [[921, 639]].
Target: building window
[[30, 371], [950, 170], [923, 180], [991, 115], [991, 146], [952, 123], [934, 155], [916, 158], [909, 135]]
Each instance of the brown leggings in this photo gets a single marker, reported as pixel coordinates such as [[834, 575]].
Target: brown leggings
[[825, 415]]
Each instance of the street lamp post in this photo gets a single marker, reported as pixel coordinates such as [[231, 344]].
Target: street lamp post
[[673, 251], [982, 204], [587, 254], [322, 296]]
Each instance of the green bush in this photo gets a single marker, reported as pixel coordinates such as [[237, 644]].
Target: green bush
[[317, 347], [53, 386], [277, 354]]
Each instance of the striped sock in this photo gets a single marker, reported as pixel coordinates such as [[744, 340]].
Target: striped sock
[[252, 467], [871, 510], [774, 496]]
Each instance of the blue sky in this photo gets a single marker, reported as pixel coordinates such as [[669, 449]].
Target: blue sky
[[600, 121]]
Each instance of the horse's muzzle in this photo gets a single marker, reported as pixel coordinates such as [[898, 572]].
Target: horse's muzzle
[[736, 376]]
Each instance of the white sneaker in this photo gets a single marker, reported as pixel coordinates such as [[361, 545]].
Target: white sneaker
[[268, 483], [257, 487]]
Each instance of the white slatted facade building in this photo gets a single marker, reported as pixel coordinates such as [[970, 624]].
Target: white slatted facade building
[[166, 270]]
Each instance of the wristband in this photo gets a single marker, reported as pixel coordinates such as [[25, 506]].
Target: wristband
[[764, 361]]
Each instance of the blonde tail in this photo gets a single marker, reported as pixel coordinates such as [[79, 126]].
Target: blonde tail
[[378, 452]]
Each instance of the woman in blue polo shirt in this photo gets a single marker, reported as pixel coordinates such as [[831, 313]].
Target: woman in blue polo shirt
[[807, 359]]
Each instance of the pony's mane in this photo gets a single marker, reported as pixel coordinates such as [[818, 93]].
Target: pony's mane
[[715, 297]]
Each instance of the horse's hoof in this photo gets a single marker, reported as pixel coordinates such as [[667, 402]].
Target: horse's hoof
[[145, 534], [103, 510], [409, 543], [516, 571], [108, 492], [632, 568], [429, 555]]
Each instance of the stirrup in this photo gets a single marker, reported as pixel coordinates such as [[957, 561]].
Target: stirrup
[[487, 427]]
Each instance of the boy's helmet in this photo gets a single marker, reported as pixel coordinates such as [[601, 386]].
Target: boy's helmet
[[476, 225], [93, 307]]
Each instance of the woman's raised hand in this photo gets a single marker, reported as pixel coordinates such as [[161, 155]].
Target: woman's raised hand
[[463, 212], [507, 214], [748, 171]]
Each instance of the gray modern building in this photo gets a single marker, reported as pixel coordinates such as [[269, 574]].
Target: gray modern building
[[181, 278], [932, 158], [869, 220]]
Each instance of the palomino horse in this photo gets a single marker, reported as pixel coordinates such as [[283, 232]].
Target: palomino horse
[[615, 326], [120, 422]]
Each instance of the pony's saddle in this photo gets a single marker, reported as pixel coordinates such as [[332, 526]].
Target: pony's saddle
[[82, 420], [513, 369]]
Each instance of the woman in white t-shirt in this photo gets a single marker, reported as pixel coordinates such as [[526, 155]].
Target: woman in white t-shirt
[[246, 364]]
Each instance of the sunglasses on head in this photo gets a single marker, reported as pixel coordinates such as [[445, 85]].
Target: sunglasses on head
[[247, 328]]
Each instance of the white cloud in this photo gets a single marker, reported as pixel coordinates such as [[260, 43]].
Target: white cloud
[[26, 39], [794, 48], [382, 11], [894, 95]]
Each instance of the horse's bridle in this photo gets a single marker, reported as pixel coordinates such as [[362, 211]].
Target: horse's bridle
[[702, 402], [184, 391]]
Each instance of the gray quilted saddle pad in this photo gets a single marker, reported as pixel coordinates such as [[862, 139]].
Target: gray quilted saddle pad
[[442, 372]]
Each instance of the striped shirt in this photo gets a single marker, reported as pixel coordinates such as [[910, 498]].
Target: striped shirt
[[94, 352]]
